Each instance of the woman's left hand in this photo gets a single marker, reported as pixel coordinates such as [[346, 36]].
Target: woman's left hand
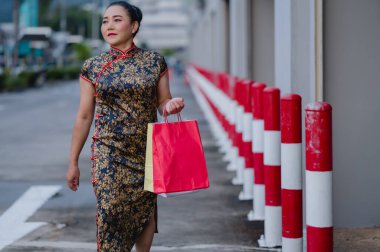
[[174, 105]]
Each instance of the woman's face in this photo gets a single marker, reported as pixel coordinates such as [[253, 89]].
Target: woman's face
[[116, 27]]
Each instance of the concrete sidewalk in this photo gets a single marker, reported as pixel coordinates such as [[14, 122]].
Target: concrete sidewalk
[[209, 220]]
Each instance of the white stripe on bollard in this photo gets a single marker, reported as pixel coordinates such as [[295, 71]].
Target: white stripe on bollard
[[239, 119], [272, 147], [238, 180], [248, 176], [233, 154], [247, 192], [291, 166], [292, 244], [319, 189], [258, 203], [273, 220], [247, 127], [258, 140]]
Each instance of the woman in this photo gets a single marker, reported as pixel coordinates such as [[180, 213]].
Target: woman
[[124, 87]]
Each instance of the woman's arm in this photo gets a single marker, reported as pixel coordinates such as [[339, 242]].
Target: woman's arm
[[165, 100], [81, 129]]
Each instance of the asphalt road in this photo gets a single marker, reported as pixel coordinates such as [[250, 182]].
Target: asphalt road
[[38, 212], [35, 135]]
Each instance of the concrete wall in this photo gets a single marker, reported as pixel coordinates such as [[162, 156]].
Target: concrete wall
[[200, 49], [209, 37], [301, 51], [239, 38], [221, 47], [278, 42], [293, 52], [352, 86], [283, 44], [262, 37]]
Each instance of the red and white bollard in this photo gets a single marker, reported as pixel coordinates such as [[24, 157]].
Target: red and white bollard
[[224, 142], [257, 212], [319, 221], [291, 173], [212, 93], [272, 169], [239, 161], [247, 192], [232, 117]]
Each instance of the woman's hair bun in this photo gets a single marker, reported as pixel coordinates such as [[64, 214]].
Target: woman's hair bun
[[138, 14]]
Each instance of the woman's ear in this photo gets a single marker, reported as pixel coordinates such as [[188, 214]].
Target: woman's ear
[[135, 26]]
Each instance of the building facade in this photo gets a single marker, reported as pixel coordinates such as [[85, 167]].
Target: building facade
[[164, 24], [322, 50]]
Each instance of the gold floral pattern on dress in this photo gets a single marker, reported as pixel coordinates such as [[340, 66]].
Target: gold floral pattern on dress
[[126, 101]]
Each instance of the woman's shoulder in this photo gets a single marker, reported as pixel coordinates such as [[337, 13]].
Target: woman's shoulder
[[95, 60], [151, 53], [92, 66]]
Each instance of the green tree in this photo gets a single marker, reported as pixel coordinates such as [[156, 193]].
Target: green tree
[[43, 12], [78, 21], [167, 52], [82, 51]]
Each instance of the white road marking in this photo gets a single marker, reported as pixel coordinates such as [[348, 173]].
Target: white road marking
[[13, 223], [60, 244], [92, 246]]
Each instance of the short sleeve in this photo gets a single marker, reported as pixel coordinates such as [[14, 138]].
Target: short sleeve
[[163, 66], [85, 72]]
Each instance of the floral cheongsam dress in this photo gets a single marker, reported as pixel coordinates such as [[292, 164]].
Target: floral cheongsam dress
[[125, 85]]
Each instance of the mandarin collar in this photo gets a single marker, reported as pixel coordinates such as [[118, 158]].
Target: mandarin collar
[[129, 52]]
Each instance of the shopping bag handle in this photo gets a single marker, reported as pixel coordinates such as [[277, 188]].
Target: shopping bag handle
[[166, 116]]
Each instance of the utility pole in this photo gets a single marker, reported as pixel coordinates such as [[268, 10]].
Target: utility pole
[[17, 29], [62, 20], [62, 26], [95, 24], [95, 20]]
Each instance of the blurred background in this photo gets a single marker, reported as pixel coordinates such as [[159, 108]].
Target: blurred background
[[323, 50], [49, 39]]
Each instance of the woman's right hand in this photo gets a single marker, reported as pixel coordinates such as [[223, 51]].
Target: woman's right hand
[[81, 129], [174, 105], [72, 177]]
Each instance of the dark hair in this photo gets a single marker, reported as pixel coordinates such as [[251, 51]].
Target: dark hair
[[134, 12]]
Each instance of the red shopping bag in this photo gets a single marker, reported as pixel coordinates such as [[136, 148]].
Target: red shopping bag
[[175, 161]]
